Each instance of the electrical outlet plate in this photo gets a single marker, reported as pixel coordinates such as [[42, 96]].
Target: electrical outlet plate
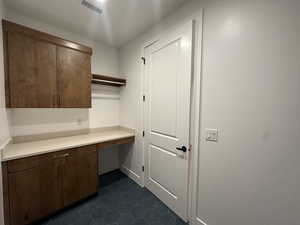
[[212, 135]]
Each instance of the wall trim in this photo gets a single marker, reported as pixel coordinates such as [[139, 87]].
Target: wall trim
[[4, 144], [194, 169], [102, 96], [65, 133], [50, 135], [200, 221], [132, 175]]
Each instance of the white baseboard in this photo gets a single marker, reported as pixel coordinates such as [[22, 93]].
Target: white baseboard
[[200, 221], [132, 175]]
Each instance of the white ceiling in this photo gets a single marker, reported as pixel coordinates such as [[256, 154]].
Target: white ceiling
[[121, 21]]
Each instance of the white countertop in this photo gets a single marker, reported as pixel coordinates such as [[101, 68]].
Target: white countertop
[[26, 149]]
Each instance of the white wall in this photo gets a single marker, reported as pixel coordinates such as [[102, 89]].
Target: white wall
[[4, 121], [106, 106], [250, 83], [250, 89], [104, 111]]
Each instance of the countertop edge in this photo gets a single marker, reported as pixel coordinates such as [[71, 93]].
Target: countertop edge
[[5, 159]]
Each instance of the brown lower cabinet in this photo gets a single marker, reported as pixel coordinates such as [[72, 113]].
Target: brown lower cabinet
[[39, 186]]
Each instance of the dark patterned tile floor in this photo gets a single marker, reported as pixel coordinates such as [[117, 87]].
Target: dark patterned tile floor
[[120, 201]]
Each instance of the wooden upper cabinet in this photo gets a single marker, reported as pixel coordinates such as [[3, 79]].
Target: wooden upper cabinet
[[74, 75], [32, 72], [44, 71]]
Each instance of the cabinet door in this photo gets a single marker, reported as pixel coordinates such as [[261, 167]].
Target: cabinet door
[[74, 78], [5, 183], [70, 179], [88, 170], [31, 72], [80, 178], [24, 190], [51, 171]]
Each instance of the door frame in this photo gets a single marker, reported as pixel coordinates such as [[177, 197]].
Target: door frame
[[181, 39], [195, 117]]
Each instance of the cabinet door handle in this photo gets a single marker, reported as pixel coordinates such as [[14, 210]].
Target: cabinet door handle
[[62, 156]]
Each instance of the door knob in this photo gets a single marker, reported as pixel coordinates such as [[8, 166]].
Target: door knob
[[183, 148]]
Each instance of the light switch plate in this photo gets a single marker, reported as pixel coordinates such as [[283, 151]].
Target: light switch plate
[[212, 135]]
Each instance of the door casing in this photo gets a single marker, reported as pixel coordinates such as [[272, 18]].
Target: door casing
[[195, 114], [197, 57]]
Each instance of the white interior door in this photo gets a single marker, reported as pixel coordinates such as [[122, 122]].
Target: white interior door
[[167, 117]]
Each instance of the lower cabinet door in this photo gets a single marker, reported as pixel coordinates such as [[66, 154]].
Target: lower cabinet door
[[88, 170], [70, 179], [80, 178], [24, 191], [51, 171]]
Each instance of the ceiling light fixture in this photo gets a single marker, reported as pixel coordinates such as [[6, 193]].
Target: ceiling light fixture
[[91, 6]]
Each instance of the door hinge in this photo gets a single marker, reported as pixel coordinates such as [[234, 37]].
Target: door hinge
[[144, 98], [143, 168], [143, 133], [144, 60]]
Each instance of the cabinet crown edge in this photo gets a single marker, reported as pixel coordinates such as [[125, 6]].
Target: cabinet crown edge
[[9, 26]]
